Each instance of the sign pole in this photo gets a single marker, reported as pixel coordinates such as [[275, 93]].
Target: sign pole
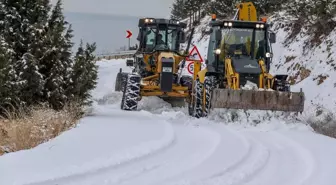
[[129, 43]]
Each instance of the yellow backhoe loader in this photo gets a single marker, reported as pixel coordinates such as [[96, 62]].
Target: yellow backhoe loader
[[240, 53], [156, 65]]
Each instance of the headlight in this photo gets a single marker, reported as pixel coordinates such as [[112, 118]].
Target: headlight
[[269, 55], [228, 24], [260, 26], [218, 51], [149, 20]]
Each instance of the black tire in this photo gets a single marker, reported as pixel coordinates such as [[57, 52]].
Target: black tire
[[195, 107], [120, 81], [209, 85], [131, 94]]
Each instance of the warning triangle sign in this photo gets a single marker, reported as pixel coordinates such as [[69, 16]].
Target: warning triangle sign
[[195, 54]]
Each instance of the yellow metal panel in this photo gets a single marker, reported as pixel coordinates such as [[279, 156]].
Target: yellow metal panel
[[201, 75], [247, 12], [261, 81], [237, 80], [197, 68], [165, 55], [150, 77]]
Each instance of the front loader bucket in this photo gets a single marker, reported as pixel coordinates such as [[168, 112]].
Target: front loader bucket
[[258, 100]]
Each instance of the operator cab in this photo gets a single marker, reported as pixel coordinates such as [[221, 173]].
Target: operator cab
[[244, 42], [160, 35]]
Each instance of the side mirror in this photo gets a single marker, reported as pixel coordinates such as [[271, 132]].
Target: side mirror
[[129, 63], [182, 37], [272, 38]]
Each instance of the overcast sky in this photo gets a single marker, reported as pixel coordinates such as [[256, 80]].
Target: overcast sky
[[158, 8]]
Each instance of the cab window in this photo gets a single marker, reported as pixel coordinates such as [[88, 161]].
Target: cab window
[[150, 39]]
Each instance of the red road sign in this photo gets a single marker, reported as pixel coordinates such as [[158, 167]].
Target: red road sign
[[193, 53], [191, 67], [129, 34]]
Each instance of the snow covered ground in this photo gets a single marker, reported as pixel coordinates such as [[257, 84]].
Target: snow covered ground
[[161, 145], [312, 69]]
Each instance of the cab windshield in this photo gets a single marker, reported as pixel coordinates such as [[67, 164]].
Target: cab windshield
[[246, 43], [161, 38]]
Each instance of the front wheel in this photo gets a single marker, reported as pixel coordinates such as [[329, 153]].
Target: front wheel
[[209, 85], [131, 94], [195, 107]]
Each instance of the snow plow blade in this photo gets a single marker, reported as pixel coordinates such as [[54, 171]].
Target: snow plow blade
[[258, 100]]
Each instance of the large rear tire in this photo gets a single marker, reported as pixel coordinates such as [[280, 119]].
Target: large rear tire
[[120, 81], [131, 94], [195, 108], [209, 85]]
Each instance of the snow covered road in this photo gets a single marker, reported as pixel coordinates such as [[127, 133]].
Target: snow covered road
[[161, 145]]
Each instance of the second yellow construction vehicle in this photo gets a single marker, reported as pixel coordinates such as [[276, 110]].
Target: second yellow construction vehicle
[[240, 53], [156, 65]]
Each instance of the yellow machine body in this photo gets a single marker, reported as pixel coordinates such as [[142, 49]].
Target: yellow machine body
[[150, 85]]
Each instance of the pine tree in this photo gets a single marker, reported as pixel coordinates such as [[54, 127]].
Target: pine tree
[[54, 63], [84, 74], [31, 81], [35, 56], [21, 27], [78, 74], [4, 71], [9, 86], [222, 8], [177, 11], [92, 68]]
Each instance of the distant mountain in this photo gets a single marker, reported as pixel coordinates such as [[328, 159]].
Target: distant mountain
[[108, 31]]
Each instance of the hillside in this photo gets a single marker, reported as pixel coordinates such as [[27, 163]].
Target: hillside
[[312, 69]]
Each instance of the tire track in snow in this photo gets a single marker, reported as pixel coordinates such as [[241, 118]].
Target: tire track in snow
[[180, 157], [285, 160], [115, 178], [238, 173], [244, 171], [228, 163], [183, 157], [305, 155], [220, 153], [126, 156], [243, 159]]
